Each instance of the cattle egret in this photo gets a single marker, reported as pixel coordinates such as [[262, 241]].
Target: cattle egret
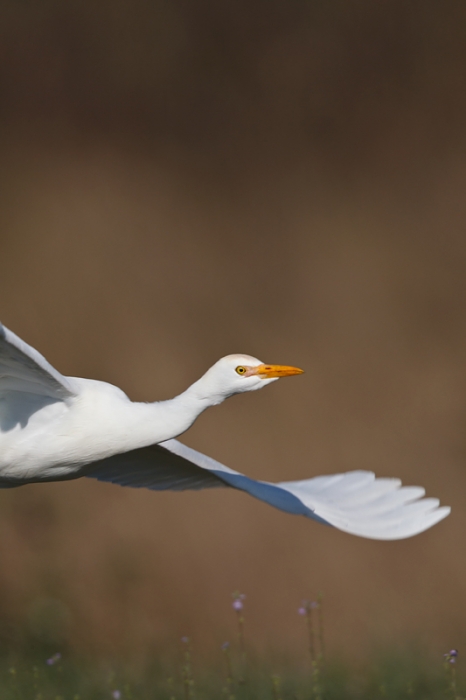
[[55, 428]]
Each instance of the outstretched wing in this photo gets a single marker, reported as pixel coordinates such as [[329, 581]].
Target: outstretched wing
[[355, 502], [24, 369]]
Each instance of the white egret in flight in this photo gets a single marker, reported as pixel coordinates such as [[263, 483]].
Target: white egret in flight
[[55, 428]]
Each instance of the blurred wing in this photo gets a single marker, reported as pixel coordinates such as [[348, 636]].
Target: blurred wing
[[355, 502], [24, 369]]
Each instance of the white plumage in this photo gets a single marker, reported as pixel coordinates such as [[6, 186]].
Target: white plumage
[[58, 428]]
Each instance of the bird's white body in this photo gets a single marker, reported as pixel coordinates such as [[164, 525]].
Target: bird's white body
[[58, 437], [58, 428]]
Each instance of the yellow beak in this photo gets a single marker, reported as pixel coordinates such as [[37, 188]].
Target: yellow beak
[[269, 371]]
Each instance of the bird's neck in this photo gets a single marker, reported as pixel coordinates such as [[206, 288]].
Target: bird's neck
[[168, 419]]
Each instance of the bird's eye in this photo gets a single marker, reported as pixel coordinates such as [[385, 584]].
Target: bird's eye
[[241, 370]]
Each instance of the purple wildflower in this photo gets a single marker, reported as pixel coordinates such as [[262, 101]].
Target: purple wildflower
[[53, 659], [116, 695], [185, 640], [225, 646], [237, 605], [302, 611]]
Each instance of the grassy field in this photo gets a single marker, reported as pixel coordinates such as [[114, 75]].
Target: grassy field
[[39, 673], [73, 679]]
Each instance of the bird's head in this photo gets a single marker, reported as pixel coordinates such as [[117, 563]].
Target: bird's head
[[235, 374]]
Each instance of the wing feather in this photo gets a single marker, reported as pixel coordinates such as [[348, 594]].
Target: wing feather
[[153, 467], [24, 369], [355, 502]]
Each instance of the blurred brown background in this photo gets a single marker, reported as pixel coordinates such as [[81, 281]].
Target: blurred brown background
[[183, 180]]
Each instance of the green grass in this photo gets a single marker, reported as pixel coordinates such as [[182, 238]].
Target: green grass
[[39, 672], [391, 677]]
